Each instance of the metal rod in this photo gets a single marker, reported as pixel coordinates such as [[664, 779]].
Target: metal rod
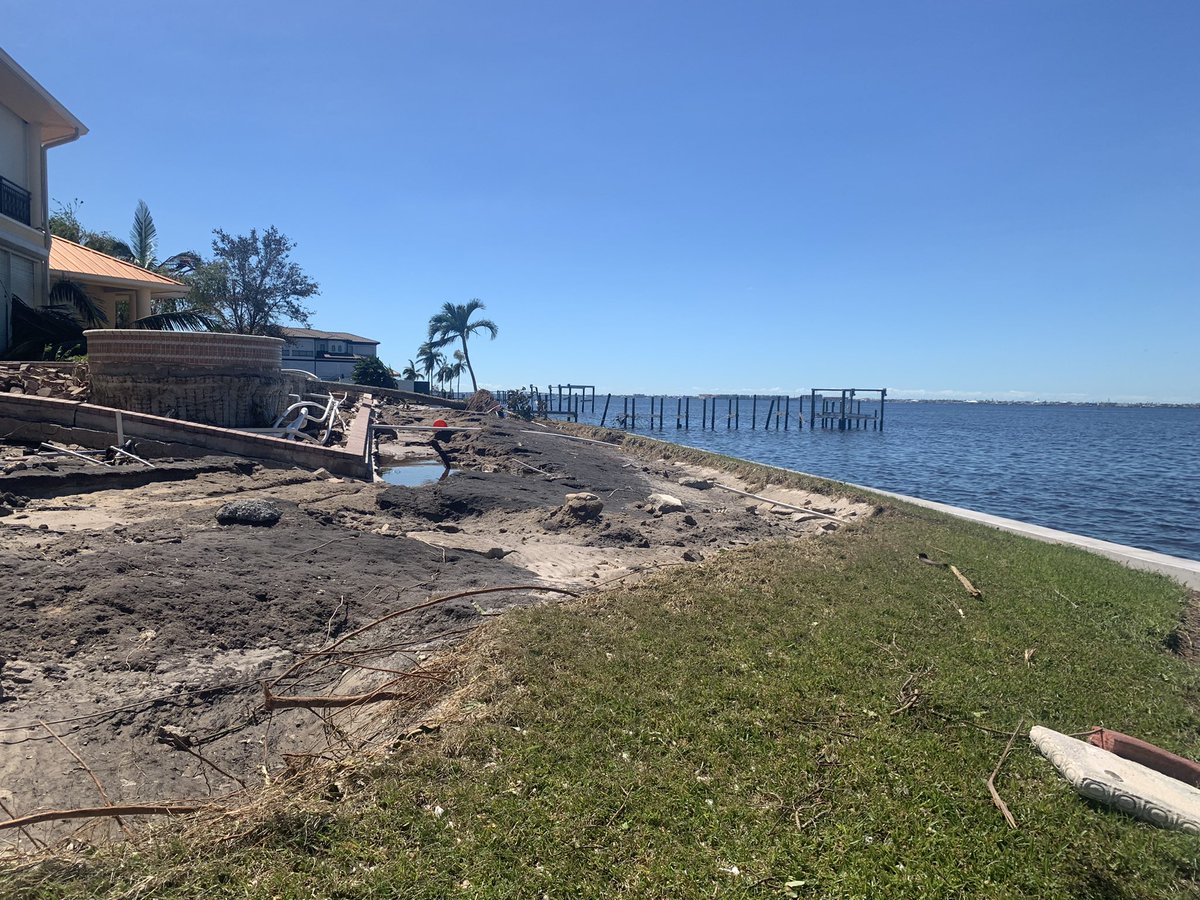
[[94, 462], [133, 456]]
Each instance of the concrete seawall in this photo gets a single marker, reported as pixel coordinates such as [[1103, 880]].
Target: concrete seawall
[[1186, 571]]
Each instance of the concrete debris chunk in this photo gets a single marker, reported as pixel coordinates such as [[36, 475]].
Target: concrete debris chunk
[[696, 484], [249, 512], [664, 503], [577, 508]]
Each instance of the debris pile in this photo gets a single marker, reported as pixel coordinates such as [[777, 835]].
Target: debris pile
[[63, 382]]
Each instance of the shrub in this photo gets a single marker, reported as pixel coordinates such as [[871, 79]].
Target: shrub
[[370, 370]]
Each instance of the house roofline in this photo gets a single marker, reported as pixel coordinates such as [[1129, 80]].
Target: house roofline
[[23, 94]]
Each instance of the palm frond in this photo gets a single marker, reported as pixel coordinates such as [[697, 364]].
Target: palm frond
[[72, 295], [181, 263], [36, 330], [184, 320], [483, 325], [143, 237]]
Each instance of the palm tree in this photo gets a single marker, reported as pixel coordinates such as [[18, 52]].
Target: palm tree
[[452, 323], [410, 372], [459, 365], [430, 359]]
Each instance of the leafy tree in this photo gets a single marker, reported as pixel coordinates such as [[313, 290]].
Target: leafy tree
[[65, 223], [453, 323], [371, 370], [251, 285]]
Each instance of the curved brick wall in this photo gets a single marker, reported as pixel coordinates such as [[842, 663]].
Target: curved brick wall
[[232, 380], [119, 349]]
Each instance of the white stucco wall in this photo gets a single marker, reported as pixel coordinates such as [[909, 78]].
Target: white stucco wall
[[14, 163]]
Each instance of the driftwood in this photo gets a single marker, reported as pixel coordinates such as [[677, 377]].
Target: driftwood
[[971, 589], [991, 782], [331, 701], [799, 509], [94, 812]]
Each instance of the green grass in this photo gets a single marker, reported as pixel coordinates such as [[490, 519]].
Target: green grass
[[745, 713]]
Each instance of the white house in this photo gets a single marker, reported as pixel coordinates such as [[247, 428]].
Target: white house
[[31, 122], [330, 355]]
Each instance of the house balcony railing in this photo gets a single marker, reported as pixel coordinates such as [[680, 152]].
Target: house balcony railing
[[14, 201]]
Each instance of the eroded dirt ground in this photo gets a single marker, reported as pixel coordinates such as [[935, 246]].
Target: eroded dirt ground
[[137, 631]]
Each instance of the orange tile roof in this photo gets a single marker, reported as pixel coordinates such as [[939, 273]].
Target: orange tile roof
[[70, 258]]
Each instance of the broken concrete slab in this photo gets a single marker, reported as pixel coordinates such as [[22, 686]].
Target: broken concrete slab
[[1120, 783]]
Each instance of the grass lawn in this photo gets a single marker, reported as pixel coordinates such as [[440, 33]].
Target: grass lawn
[[795, 720]]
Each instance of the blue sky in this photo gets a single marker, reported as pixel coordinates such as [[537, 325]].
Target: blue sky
[[974, 199]]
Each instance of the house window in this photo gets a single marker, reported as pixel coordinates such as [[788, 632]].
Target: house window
[[337, 347]]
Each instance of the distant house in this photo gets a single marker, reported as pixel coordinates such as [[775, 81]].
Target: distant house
[[330, 355], [124, 291], [31, 122]]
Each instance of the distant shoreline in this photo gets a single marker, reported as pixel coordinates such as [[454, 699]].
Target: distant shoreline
[[1100, 404]]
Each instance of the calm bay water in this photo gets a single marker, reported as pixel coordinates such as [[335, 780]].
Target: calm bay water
[[1129, 475]]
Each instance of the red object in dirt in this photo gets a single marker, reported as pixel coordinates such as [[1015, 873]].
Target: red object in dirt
[[1148, 755], [440, 423]]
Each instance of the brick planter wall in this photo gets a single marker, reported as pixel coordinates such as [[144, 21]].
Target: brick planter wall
[[231, 380]]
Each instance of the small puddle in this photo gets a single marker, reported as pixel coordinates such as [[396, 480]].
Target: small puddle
[[415, 474]]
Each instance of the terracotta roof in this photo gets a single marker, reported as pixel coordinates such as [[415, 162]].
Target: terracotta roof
[[327, 335], [70, 258]]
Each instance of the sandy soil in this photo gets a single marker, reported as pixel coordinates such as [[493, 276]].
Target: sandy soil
[[139, 630]]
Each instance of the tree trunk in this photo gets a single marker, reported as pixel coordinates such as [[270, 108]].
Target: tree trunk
[[467, 360]]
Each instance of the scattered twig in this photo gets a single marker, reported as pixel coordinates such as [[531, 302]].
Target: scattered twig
[[145, 701], [1074, 605], [909, 693], [964, 724], [209, 762], [332, 616], [36, 843], [535, 469], [93, 812], [416, 606], [318, 547], [96, 781], [991, 782]]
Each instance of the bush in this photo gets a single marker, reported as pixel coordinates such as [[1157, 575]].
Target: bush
[[371, 371], [520, 405]]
